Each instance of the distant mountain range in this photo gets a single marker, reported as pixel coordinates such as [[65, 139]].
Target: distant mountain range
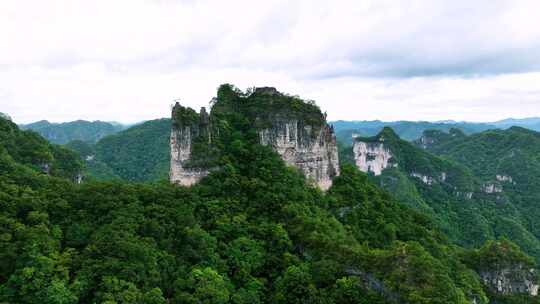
[[62, 133], [411, 130], [93, 131]]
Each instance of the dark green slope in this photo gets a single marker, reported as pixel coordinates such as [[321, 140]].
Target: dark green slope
[[140, 153], [94, 169], [453, 194], [62, 133], [33, 151], [509, 160]]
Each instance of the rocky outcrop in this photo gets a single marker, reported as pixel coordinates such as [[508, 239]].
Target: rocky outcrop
[[185, 128], [429, 180], [312, 149], [492, 188], [505, 178], [372, 157], [467, 195], [308, 144], [434, 138], [511, 280]]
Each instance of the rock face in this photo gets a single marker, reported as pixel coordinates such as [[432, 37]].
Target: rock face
[[313, 151], [511, 280], [308, 146], [184, 130], [492, 188], [431, 138], [372, 157]]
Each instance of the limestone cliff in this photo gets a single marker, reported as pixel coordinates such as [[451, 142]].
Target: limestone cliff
[[372, 157], [504, 269], [187, 125], [511, 280], [312, 150], [374, 154], [295, 129]]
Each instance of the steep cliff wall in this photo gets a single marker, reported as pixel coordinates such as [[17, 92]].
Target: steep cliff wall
[[186, 126], [504, 268], [311, 149], [295, 129], [511, 280], [372, 157]]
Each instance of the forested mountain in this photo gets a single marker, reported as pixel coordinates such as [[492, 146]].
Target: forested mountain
[[62, 133], [252, 231], [408, 130], [140, 153], [532, 123], [469, 208], [506, 162], [32, 151], [412, 130]]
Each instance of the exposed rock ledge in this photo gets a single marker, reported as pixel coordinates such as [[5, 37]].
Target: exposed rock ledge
[[180, 154], [513, 280], [312, 151], [492, 188], [372, 157]]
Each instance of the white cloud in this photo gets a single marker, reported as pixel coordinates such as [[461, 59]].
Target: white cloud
[[126, 60]]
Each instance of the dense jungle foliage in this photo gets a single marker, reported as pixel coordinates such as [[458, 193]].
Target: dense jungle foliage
[[458, 202], [509, 159], [253, 231], [140, 153]]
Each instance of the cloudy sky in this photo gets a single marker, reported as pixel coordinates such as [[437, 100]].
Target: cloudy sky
[[126, 60]]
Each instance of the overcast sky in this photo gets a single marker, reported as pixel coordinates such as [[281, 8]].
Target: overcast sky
[[359, 60]]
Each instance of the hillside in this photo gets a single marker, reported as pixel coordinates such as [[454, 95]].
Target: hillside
[[140, 153], [507, 161], [62, 133], [32, 151], [252, 232], [464, 203]]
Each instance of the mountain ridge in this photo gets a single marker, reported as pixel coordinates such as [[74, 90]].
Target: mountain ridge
[[62, 133]]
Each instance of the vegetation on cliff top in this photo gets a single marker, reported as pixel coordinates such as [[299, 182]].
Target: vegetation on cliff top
[[183, 116], [263, 105]]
